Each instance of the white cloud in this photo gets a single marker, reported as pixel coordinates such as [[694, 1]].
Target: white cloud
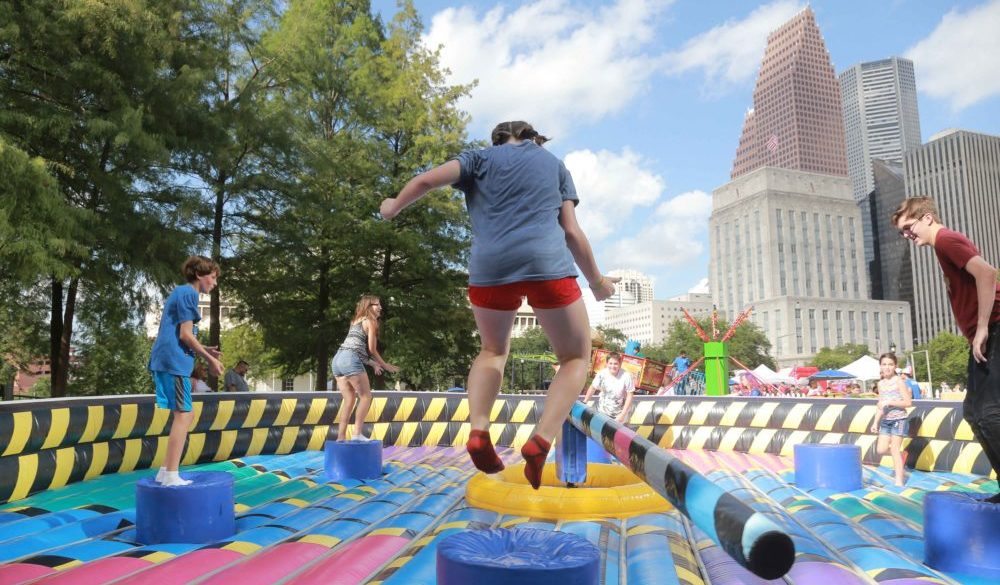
[[731, 52], [672, 237], [551, 62], [610, 186], [701, 288], [624, 215], [960, 60]]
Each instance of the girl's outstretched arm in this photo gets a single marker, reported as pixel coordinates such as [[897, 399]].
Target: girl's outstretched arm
[[447, 174]]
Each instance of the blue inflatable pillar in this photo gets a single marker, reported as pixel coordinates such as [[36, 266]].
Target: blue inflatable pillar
[[523, 556], [353, 460], [198, 513], [596, 453], [833, 467], [962, 534], [571, 455]]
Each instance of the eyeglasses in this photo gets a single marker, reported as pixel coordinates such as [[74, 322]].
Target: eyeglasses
[[907, 231]]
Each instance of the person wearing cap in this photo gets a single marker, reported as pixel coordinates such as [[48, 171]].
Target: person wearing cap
[[907, 374]]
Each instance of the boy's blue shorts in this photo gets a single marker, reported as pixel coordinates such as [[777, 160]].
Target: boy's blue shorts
[[172, 392]]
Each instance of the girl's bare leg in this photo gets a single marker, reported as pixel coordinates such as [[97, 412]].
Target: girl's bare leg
[[568, 330], [346, 406], [485, 378]]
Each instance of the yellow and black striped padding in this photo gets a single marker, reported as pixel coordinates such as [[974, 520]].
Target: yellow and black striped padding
[[940, 440], [45, 444]]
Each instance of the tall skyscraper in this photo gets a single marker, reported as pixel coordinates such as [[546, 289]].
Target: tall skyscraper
[[880, 122], [796, 120], [889, 269], [785, 233], [960, 170], [880, 117]]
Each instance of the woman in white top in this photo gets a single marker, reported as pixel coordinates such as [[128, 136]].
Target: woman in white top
[[615, 387], [198, 376]]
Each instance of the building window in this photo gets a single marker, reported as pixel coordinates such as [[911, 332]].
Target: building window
[[798, 331], [888, 326], [812, 330], [287, 384]]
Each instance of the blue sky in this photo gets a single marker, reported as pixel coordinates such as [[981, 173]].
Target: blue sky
[[645, 98]]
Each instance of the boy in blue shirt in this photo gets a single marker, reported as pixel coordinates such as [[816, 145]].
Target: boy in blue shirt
[[172, 358]]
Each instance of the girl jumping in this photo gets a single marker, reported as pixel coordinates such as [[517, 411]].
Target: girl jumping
[[525, 239]]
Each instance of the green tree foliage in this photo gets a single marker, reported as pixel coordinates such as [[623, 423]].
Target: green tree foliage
[[96, 90], [949, 354], [530, 359], [37, 232], [610, 338], [369, 111], [749, 344], [245, 342], [37, 228], [111, 353], [239, 132], [531, 342], [837, 357]]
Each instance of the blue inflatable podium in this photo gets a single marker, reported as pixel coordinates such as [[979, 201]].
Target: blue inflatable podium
[[352, 460], [198, 513], [521, 556], [962, 534], [828, 466]]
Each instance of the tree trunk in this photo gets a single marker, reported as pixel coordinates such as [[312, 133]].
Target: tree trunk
[[61, 379], [322, 333], [55, 331], [214, 309]]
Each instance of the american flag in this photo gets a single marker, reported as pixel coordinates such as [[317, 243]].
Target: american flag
[[772, 143]]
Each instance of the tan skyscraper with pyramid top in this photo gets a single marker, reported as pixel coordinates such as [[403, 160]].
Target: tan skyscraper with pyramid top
[[796, 121], [785, 232]]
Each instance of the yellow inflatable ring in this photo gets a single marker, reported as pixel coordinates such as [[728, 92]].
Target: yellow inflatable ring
[[611, 491]]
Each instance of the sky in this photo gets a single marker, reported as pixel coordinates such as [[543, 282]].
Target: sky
[[645, 99]]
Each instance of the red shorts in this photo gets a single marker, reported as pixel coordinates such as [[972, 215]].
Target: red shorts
[[542, 294]]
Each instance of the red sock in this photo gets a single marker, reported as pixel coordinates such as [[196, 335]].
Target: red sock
[[484, 456], [534, 452]]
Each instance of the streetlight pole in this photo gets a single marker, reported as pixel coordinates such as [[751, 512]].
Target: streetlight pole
[[927, 353]]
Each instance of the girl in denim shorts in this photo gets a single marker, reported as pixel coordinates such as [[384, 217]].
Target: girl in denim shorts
[[348, 366], [890, 421]]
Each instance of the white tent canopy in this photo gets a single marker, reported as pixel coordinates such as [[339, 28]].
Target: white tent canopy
[[768, 375], [864, 368]]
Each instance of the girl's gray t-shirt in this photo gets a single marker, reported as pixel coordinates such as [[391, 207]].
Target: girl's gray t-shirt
[[513, 193]]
